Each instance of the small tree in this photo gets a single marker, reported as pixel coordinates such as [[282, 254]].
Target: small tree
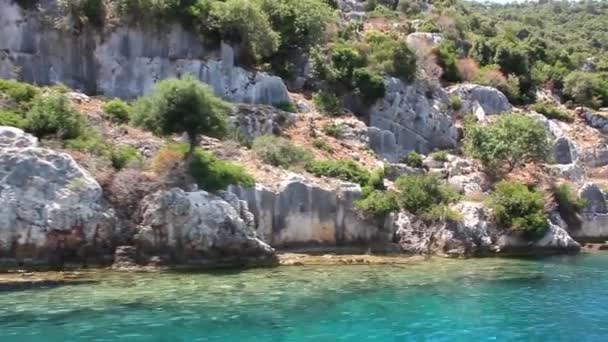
[[182, 106], [519, 209], [510, 141]]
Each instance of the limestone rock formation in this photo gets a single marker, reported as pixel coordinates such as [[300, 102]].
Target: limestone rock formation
[[491, 100], [410, 117], [51, 210], [253, 121], [302, 213], [122, 61], [556, 239], [197, 228], [594, 226]]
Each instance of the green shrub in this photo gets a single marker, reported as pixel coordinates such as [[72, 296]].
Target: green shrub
[[91, 11], [552, 112], [12, 118], [519, 209], [413, 159], [390, 55], [17, 91], [585, 88], [327, 102], [52, 114], [333, 130], [376, 179], [347, 170], [378, 203], [455, 102], [369, 86], [280, 151], [422, 194], [440, 156], [569, 204], [117, 110], [510, 141], [322, 145], [90, 141], [447, 59], [287, 106], [214, 174], [125, 156]]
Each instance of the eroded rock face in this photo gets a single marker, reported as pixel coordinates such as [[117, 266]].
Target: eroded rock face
[[254, 121], [302, 213], [122, 62], [491, 100], [51, 210], [198, 228], [594, 225], [410, 117], [556, 239]]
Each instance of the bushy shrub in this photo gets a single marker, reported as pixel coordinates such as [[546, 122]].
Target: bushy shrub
[[378, 203], [552, 112], [90, 141], [447, 60], [12, 118], [519, 209], [327, 102], [585, 88], [322, 145], [569, 204], [390, 55], [125, 156], [441, 156], [468, 69], [52, 114], [17, 91], [281, 152], [423, 194], [347, 170], [333, 130], [369, 86], [455, 102], [117, 110], [413, 159], [287, 106], [510, 141], [86, 11], [492, 77]]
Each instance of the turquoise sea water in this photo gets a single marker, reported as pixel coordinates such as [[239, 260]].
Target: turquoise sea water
[[550, 299]]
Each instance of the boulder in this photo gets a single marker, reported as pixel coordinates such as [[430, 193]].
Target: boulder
[[595, 120], [595, 157], [412, 235], [596, 201], [392, 171], [253, 121], [51, 210], [491, 100], [564, 151], [472, 183], [426, 38], [197, 228], [300, 212], [412, 116], [555, 240], [572, 172], [125, 61]]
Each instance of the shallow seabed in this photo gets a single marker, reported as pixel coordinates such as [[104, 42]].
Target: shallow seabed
[[548, 299]]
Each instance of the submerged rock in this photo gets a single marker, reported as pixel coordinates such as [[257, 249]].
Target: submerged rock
[[198, 228], [51, 210]]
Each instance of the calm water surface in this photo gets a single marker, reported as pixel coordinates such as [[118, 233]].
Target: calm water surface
[[549, 299]]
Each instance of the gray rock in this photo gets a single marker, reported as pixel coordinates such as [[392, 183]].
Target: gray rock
[[490, 99], [14, 137], [392, 171], [596, 157], [197, 228], [596, 201], [556, 239], [302, 213], [572, 172], [564, 151], [411, 117], [253, 121], [595, 120], [123, 61], [412, 235], [472, 183], [51, 210], [427, 38]]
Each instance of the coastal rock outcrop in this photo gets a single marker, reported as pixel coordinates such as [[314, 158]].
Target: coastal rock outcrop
[[594, 225], [491, 100], [123, 61], [410, 117], [302, 213], [51, 210], [198, 228]]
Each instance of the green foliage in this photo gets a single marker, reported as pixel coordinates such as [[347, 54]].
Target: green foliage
[[281, 152], [327, 102], [333, 129], [287, 106], [92, 142], [347, 170], [214, 174], [510, 141], [117, 110], [52, 114], [519, 209], [378, 203], [413, 159], [552, 112], [182, 106], [322, 145], [17, 91], [91, 11], [125, 156], [569, 204], [455, 102], [390, 55], [589, 89], [447, 59], [441, 156], [367, 85], [425, 195], [12, 118]]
